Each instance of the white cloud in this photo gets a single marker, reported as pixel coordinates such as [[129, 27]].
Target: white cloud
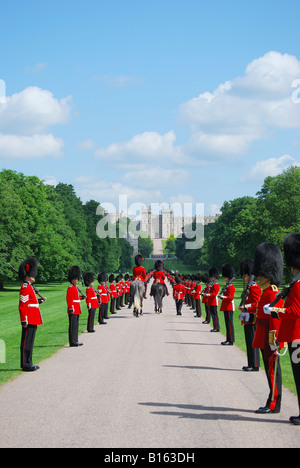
[[32, 111], [244, 110], [150, 177], [30, 147], [270, 167], [147, 146]]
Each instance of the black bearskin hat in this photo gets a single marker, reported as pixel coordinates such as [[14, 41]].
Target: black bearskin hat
[[88, 279], [246, 266], [214, 272], [204, 278], [291, 247], [126, 276], [228, 271], [102, 277], [139, 260], [178, 279], [111, 278], [268, 262], [158, 265], [74, 273], [28, 268]]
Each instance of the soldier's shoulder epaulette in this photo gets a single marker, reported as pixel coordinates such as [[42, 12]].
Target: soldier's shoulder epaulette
[[274, 288]]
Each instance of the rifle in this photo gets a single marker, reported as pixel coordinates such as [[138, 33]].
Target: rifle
[[245, 293], [224, 289], [37, 292], [210, 286], [286, 291]]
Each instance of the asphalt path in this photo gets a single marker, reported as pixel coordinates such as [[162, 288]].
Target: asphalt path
[[158, 381]]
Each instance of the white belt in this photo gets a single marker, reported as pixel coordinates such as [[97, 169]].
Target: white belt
[[34, 305], [77, 300]]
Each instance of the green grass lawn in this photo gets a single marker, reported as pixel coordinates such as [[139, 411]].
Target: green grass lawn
[[53, 335]]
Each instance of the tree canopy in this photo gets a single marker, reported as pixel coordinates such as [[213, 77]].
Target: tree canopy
[[52, 224]]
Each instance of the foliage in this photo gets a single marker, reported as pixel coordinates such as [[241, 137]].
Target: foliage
[[52, 224]]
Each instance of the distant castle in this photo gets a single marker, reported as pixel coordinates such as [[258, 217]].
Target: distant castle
[[162, 225]]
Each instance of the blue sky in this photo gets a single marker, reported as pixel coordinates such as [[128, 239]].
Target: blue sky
[[162, 101]]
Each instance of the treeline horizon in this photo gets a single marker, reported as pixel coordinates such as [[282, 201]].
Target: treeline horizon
[[55, 226], [246, 222]]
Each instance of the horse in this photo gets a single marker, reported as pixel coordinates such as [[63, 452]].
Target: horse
[[158, 291], [137, 292]]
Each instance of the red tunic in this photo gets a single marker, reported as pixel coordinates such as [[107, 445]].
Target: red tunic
[[159, 277], [139, 273], [197, 291], [113, 291], [266, 323], [289, 330], [103, 293], [91, 298], [73, 300], [212, 295], [251, 303], [228, 301], [28, 306], [178, 292]]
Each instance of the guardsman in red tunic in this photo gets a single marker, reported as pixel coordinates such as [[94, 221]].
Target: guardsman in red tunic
[[178, 294], [212, 298], [227, 305], [113, 293], [289, 330], [30, 314], [248, 307], [104, 297], [127, 288], [91, 301], [197, 295], [138, 273], [268, 268], [74, 308], [159, 276], [205, 280]]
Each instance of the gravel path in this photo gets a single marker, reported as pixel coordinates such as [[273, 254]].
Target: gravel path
[[159, 381]]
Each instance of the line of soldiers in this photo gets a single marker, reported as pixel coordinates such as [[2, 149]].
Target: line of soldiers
[[267, 328], [271, 325]]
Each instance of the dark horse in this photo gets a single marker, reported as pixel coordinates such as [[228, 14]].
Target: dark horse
[[137, 292], [158, 291]]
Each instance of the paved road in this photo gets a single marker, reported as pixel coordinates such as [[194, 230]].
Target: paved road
[[159, 381]]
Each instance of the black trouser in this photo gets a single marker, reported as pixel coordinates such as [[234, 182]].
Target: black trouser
[[252, 353], [27, 342], [214, 315], [228, 315], [198, 307], [269, 362], [294, 349], [103, 312], [112, 305], [73, 328], [179, 303], [207, 312], [91, 320]]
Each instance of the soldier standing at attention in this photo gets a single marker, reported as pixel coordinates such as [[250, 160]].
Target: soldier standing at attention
[[178, 294], [289, 330], [268, 268], [251, 296], [91, 301], [104, 297], [30, 314], [227, 305], [74, 308], [212, 295], [113, 293]]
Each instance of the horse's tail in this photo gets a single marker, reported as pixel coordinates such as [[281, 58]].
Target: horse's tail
[[137, 300]]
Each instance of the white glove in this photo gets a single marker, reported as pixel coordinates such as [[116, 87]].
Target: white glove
[[267, 309], [244, 317]]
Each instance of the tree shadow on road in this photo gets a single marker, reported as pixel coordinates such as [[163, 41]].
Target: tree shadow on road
[[211, 413]]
